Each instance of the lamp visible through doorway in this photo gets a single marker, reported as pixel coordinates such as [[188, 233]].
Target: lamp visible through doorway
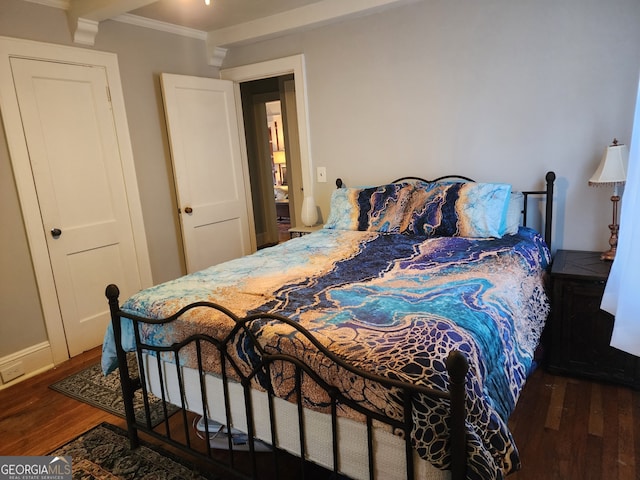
[[612, 171], [280, 161]]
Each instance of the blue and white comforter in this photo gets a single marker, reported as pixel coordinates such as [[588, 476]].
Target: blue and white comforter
[[392, 304]]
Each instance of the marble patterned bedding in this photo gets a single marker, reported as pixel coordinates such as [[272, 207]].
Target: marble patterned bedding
[[389, 303]]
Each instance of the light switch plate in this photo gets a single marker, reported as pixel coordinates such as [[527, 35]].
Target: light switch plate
[[321, 173]]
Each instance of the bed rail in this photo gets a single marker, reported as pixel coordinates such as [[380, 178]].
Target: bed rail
[[177, 431], [550, 179]]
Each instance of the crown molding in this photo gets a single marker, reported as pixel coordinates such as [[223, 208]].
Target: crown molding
[[161, 26], [62, 4]]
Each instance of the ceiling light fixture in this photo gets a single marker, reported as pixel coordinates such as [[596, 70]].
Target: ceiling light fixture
[[207, 2]]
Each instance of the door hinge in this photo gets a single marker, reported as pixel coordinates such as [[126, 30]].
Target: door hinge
[[108, 94]]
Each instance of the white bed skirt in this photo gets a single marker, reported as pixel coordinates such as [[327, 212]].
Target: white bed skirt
[[389, 449]]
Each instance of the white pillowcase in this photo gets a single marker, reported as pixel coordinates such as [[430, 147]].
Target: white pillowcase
[[514, 213]]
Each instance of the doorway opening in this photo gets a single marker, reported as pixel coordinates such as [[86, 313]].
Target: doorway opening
[[269, 114]]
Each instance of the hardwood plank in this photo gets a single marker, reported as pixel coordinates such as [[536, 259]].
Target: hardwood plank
[[593, 452], [554, 412], [565, 447], [527, 424], [626, 450], [596, 417], [576, 431], [636, 422], [610, 434]]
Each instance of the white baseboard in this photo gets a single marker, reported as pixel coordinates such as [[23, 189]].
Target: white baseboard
[[32, 360]]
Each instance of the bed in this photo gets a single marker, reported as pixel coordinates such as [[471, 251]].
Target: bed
[[393, 343]]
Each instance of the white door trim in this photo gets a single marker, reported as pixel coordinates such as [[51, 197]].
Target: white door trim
[[275, 68], [12, 47]]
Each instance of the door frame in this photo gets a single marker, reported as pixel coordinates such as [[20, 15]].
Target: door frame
[[259, 113], [21, 164], [275, 68]]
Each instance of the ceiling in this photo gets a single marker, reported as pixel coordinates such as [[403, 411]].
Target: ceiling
[[220, 14]]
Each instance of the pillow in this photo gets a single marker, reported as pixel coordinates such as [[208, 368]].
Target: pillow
[[514, 213], [379, 209], [475, 210], [281, 194]]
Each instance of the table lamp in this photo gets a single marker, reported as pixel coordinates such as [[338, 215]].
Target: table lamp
[[612, 171]]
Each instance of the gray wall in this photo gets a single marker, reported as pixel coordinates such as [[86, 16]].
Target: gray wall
[[494, 89]]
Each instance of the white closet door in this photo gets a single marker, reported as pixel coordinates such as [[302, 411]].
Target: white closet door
[[205, 148], [75, 159]]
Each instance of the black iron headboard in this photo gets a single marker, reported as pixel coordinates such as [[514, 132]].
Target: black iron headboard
[[550, 178]]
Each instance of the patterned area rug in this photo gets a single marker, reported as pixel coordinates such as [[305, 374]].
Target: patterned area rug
[[92, 387], [103, 453]]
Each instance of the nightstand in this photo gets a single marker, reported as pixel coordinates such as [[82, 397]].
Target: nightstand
[[300, 231], [580, 331]]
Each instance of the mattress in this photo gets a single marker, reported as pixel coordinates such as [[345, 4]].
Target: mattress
[[390, 463]]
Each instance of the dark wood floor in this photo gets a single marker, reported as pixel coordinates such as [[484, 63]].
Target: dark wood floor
[[565, 428], [35, 420], [568, 429]]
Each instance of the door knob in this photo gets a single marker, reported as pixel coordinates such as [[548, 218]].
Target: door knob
[[56, 232], [188, 210]]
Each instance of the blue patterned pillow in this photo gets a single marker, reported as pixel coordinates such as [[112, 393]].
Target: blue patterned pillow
[[380, 209], [474, 210]]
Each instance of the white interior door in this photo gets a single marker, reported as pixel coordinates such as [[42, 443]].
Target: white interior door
[[210, 182], [76, 165]]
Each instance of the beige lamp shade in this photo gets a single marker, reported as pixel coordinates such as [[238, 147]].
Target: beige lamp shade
[[613, 166], [279, 157]]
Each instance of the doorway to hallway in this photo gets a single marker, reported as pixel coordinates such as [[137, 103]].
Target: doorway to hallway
[[273, 170]]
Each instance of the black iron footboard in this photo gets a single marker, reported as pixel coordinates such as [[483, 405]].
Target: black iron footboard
[[178, 431]]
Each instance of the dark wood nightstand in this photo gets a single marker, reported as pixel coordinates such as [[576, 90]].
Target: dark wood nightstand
[[580, 331]]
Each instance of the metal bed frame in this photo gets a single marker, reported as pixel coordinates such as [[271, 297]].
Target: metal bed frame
[[179, 434]]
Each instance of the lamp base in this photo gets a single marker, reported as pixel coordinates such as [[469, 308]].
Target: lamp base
[[609, 255]]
